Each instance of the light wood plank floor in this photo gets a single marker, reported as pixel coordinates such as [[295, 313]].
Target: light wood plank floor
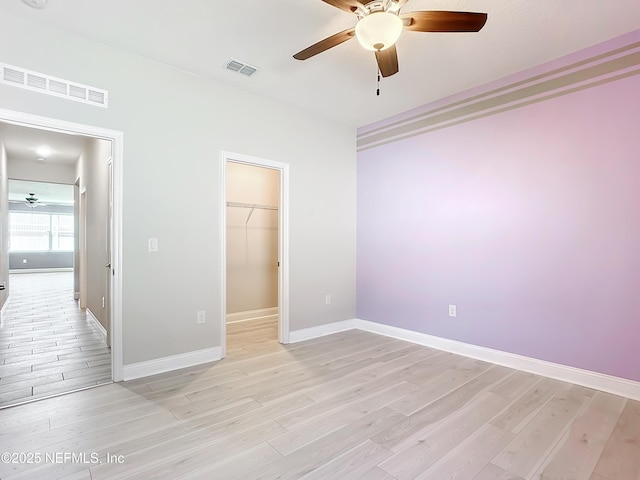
[[47, 345], [352, 405]]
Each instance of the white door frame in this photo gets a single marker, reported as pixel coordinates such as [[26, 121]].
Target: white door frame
[[117, 139], [283, 243], [82, 247]]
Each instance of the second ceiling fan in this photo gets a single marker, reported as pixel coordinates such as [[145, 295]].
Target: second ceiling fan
[[380, 24]]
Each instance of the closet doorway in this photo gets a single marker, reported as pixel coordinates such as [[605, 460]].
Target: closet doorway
[[254, 232]]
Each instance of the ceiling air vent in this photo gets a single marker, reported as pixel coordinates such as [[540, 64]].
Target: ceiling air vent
[[39, 82], [241, 67]]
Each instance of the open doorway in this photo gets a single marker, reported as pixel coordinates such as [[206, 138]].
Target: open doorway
[[96, 324], [254, 226]]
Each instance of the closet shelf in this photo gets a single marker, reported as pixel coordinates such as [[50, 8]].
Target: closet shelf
[[252, 206]]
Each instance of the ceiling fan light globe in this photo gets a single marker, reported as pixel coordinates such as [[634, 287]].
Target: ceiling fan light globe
[[379, 30]]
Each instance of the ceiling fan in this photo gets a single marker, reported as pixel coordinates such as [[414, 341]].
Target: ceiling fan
[[33, 202], [380, 24]]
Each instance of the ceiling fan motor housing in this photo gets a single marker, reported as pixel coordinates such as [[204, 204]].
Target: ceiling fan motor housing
[[377, 6]]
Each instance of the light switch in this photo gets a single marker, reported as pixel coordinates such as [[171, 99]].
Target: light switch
[[153, 244]]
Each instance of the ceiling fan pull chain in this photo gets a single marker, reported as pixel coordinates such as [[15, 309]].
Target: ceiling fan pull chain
[[378, 90]]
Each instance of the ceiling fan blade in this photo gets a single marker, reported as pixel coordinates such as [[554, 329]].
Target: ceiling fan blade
[[346, 5], [325, 44], [387, 61], [441, 21]]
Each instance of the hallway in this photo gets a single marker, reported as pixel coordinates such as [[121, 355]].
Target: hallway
[[48, 345]]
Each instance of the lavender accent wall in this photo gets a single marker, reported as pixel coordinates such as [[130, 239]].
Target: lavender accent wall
[[527, 220]]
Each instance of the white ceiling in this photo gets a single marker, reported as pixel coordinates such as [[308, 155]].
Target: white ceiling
[[22, 143], [201, 35]]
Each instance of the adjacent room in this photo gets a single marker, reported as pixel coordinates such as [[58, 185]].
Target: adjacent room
[[51, 347], [330, 239], [52, 340]]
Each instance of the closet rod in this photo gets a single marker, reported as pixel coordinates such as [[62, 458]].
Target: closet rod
[[251, 205]]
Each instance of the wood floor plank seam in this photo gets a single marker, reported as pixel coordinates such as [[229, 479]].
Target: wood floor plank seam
[[47, 331]]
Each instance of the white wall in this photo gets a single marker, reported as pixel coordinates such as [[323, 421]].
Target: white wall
[[92, 174], [23, 169], [175, 125], [252, 246]]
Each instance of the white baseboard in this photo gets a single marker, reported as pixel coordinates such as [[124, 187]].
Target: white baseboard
[[97, 324], [598, 381], [6, 302], [41, 270], [173, 362], [262, 314], [266, 317], [321, 330]]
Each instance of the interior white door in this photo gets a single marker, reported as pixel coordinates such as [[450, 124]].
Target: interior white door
[[108, 265], [83, 248]]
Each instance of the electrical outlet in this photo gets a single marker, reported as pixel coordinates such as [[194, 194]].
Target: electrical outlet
[[327, 299], [102, 302], [201, 316], [452, 310], [153, 244]]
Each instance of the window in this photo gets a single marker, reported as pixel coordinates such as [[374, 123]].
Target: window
[[30, 232]]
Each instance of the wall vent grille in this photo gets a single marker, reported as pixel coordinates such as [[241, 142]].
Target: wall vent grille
[[241, 67], [36, 81], [58, 87]]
